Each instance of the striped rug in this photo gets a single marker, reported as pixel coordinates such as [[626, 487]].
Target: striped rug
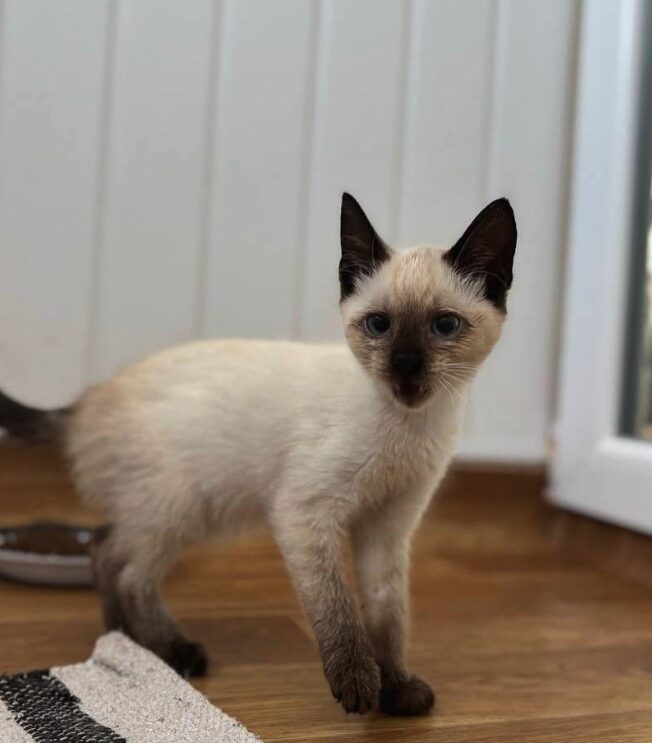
[[122, 694]]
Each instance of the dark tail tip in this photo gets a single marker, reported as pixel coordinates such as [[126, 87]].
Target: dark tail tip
[[30, 424]]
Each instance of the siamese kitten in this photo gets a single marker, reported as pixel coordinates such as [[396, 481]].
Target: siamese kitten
[[324, 442]]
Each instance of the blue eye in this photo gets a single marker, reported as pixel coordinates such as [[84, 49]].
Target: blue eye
[[445, 325], [377, 324]]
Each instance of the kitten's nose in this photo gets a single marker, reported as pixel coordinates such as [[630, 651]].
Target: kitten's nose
[[407, 362]]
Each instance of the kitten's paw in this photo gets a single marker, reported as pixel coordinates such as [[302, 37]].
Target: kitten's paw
[[354, 679], [412, 696], [187, 658]]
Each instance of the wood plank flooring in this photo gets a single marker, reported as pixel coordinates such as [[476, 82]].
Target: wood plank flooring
[[522, 642]]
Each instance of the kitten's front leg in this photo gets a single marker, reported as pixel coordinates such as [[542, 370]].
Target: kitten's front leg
[[382, 546], [312, 554]]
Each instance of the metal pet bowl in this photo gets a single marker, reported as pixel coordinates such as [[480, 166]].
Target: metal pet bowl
[[46, 553]]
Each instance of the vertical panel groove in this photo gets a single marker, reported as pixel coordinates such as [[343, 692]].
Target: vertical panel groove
[[322, 64], [411, 81], [104, 137], [400, 146], [208, 180], [223, 54], [321, 85], [303, 206], [496, 95]]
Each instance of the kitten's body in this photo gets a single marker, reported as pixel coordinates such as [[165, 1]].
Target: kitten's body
[[320, 441], [234, 432]]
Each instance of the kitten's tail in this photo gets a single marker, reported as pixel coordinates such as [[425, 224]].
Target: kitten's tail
[[31, 424]]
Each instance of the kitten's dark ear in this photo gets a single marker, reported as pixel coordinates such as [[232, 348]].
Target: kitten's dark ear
[[363, 251], [486, 250]]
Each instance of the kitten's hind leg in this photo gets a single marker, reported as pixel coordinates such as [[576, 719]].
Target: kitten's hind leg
[[106, 569], [130, 566]]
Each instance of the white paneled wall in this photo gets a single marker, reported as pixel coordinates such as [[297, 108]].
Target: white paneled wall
[[173, 169], [153, 166]]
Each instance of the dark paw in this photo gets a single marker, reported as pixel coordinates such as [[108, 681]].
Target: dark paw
[[355, 681], [410, 697], [187, 658]]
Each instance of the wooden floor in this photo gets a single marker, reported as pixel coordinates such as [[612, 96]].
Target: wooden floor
[[521, 642]]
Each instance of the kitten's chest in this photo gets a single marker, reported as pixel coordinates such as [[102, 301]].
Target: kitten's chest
[[403, 458]]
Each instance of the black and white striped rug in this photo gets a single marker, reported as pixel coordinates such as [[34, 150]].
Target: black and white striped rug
[[122, 694]]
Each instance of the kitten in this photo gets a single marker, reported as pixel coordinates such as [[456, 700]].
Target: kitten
[[321, 441]]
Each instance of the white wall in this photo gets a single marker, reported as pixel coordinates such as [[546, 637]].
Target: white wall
[[172, 169]]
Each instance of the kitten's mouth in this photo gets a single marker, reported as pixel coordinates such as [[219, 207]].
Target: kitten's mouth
[[410, 394]]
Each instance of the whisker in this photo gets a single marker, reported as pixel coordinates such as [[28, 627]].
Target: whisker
[[455, 378], [447, 382]]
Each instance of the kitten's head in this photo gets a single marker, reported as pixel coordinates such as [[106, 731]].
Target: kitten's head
[[425, 319]]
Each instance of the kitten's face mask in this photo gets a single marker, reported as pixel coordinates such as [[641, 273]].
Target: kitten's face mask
[[425, 319]]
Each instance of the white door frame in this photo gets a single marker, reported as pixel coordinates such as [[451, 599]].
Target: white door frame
[[595, 469]]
